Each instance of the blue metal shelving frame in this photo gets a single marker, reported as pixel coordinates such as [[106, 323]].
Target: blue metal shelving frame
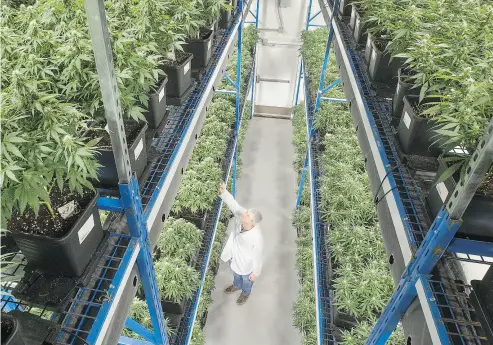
[[444, 300], [128, 256]]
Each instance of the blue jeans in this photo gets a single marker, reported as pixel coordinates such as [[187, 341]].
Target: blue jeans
[[243, 283]]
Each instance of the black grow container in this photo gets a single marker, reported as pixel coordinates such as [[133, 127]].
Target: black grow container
[[359, 26], [404, 88], [381, 66], [345, 7], [11, 330], [415, 133], [179, 74], [157, 105], [477, 220], [198, 219], [68, 255], [137, 150], [200, 48]]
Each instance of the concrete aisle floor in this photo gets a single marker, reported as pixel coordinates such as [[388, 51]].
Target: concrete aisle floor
[[267, 183]]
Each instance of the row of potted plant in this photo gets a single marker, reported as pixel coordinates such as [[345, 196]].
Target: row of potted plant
[[443, 100], [180, 241], [304, 315], [55, 150], [358, 270]]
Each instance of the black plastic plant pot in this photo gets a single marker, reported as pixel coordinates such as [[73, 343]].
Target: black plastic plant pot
[[343, 320], [368, 48], [37, 331], [359, 30], [157, 105], [173, 311], [345, 7], [381, 67], [404, 88], [225, 19], [11, 331], [201, 49], [415, 133], [179, 75], [352, 19], [69, 255], [481, 299], [477, 220], [137, 150]]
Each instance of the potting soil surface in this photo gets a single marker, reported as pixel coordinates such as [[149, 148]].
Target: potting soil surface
[[132, 129], [268, 183], [44, 223]]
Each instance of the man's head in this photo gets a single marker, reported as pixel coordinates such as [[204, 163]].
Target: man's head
[[250, 218]]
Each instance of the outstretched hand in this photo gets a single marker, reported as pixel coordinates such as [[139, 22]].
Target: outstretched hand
[[222, 188]]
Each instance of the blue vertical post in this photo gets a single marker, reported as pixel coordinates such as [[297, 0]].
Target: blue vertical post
[[308, 14], [257, 12], [321, 83], [128, 184], [238, 90], [299, 83], [254, 76]]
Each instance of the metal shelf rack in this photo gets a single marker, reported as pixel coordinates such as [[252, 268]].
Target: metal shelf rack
[[428, 248], [127, 260]]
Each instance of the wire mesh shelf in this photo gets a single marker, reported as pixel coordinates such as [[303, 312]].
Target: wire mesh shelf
[[456, 312]]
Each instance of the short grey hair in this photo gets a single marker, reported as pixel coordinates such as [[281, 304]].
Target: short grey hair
[[256, 215]]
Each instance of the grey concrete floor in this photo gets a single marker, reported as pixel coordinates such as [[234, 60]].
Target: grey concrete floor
[[268, 183]]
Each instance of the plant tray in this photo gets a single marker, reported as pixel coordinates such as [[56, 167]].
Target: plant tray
[[199, 220], [54, 292], [180, 100], [35, 330], [343, 320], [174, 311]]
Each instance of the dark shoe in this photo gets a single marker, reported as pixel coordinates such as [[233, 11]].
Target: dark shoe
[[242, 299], [230, 289]]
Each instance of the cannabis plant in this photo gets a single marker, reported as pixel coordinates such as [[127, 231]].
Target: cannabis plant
[[139, 311], [304, 316], [363, 292], [212, 10], [198, 336], [179, 239], [198, 190], [176, 280], [205, 302], [361, 333]]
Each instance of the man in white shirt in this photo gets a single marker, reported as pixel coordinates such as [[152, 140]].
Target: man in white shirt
[[244, 248]]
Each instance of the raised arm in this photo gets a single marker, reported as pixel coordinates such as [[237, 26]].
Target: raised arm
[[228, 199]]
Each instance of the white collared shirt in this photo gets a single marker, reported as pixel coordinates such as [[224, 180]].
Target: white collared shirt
[[243, 248]]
